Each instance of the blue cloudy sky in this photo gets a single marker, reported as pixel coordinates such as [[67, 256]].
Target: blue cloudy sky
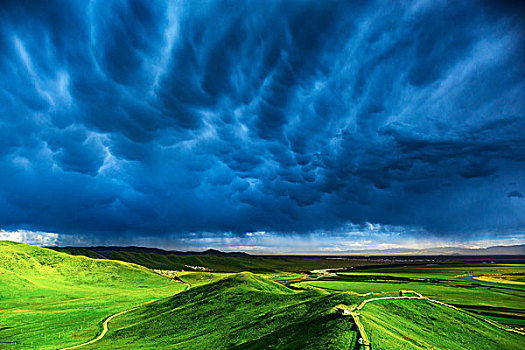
[[263, 125]]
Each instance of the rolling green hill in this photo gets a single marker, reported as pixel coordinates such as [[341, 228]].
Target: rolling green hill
[[50, 299], [245, 311], [34, 270], [500, 302], [420, 324], [241, 311]]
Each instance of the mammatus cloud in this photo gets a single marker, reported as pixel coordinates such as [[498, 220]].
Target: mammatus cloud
[[161, 118], [515, 193]]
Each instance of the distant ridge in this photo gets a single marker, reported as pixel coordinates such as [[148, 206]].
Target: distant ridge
[[515, 250], [145, 250], [496, 250]]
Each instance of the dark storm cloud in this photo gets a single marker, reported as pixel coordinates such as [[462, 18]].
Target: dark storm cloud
[[515, 193], [294, 116]]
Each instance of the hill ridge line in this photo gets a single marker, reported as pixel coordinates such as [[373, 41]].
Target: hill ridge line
[[364, 336]]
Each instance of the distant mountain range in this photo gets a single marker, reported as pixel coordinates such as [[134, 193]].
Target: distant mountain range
[[135, 249], [496, 250]]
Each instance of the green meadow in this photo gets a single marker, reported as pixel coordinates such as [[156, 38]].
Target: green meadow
[[241, 311], [501, 302], [440, 272], [50, 300], [417, 324], [54, 300]]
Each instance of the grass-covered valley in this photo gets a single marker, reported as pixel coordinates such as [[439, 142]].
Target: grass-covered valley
[[111, 299]]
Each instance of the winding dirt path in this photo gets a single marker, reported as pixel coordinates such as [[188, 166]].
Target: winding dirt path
[[104, 330], [105, 327], [366, 342]]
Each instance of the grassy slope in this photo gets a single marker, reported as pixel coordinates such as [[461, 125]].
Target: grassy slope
[[418, 324], [195, 279], [239, 311], [500, 305], [452, 294], [50, 299], [440, 282]]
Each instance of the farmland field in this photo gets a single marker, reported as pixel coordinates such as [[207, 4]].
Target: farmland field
[[54, 300]]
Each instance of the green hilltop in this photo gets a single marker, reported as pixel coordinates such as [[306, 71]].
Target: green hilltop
[[246, 311], [241, 311]]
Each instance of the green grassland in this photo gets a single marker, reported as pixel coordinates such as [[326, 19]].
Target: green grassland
[[239, 311], [442, 271], [50, 299], [196, 279], [451, 294], [502, 303], [248, 311], [419, 324]]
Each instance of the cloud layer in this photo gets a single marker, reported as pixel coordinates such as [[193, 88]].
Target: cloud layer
[[134, 117]]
